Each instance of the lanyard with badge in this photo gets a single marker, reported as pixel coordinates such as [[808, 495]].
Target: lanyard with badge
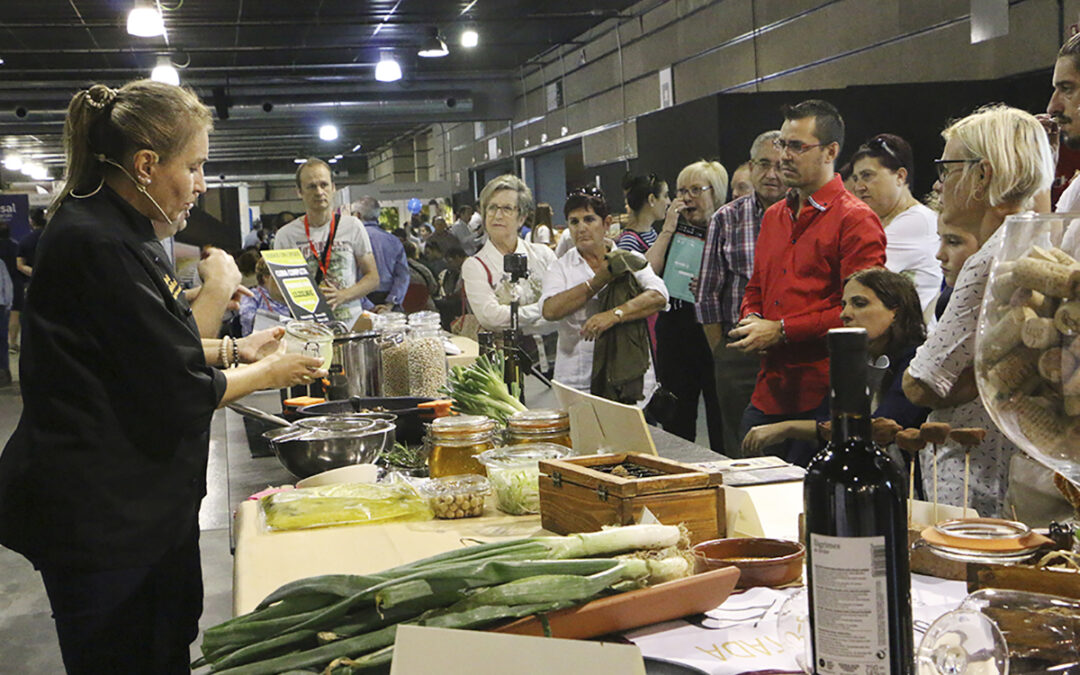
[[324, 261]]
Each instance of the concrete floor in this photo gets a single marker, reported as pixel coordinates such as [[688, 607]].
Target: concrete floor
[[27, 634]]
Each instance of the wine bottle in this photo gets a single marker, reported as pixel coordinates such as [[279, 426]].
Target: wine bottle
[[514, 367], [859, 580]]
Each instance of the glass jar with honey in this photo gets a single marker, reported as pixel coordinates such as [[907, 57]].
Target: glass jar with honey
[[539, 426], [455, 442]]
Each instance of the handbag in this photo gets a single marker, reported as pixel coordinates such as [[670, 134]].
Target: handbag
[[467, 325]]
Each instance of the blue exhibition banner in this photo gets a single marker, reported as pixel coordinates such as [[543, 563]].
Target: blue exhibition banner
[[15, 211]]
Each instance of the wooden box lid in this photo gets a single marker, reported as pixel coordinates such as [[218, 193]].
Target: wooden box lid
[[662, 475]]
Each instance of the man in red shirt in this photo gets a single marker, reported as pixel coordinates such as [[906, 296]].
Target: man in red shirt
[[810, 242]]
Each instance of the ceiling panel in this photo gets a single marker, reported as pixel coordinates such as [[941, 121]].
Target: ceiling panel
[[295, 56]]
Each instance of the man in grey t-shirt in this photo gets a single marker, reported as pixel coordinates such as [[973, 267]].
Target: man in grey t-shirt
[[347, 272]]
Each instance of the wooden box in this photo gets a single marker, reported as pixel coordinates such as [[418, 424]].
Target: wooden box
[[580, 494]]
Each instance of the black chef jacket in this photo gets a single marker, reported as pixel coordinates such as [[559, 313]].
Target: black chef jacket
[[107, 467]]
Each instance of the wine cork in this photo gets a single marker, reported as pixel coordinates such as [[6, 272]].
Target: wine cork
[[1026, 297], [1063, 258], [1004, 284], [1039, 333], [935, 432], [1056, 364], [1072, 406], [910, 440], [968, 437], [1048, 278], [1005, 334], [1011, 372], [1067, 318], [1042, 426], [883, 430], [1040, 253]]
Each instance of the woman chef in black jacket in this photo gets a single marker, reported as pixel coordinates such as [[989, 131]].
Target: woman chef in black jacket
[[101, 482]]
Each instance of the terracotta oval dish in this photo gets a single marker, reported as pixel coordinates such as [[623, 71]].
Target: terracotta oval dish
[[762, 562]]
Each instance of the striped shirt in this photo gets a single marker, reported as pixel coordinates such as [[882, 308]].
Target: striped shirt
[[728, 260], [640, 242]]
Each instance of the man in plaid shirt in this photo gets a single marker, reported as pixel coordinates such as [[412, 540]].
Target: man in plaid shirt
[[725, 269]]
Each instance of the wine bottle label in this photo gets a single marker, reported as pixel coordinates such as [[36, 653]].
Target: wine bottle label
[[851, 624]]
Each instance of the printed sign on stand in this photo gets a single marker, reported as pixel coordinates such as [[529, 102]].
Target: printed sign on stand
[[290, 271]]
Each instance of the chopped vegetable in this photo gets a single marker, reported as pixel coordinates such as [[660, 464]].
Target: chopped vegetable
[[405, 457], [344, 503], [481, 390], [517, 491]]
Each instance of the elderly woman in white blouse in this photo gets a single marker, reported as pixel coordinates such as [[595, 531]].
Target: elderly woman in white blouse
[[505, 203], [572, 283]]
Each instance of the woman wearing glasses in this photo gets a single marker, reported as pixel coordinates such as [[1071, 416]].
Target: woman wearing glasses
[[883, 177], [573, 283], [994, 161], [505, 203]]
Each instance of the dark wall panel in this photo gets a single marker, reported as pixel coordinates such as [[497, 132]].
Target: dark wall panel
[[723, 126]]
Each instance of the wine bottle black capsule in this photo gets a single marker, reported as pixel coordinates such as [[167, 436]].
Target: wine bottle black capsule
[[858, 573]]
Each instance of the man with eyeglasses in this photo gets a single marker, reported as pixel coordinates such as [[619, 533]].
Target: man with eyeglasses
[[726, 267], [1064, 108], [809, 243]]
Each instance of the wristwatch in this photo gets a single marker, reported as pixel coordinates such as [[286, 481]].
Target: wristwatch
[[618, 313]]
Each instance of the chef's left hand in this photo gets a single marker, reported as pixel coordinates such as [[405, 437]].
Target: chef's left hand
[[597, 324], [260, 344]]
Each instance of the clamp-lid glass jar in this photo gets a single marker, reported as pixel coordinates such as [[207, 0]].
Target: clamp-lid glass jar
[[310, 339], [539, 426], [455, 442]]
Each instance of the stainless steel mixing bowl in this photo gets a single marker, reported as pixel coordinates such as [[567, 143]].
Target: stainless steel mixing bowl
[[307, 451]]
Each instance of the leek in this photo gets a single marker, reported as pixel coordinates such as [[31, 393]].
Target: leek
[[481, 390]]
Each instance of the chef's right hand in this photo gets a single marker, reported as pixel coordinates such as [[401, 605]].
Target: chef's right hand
[[291, 369]]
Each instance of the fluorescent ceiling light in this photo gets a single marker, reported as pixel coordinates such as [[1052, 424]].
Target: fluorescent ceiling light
[[299, 160], [145, 22], [433, 47], [165, 72], [332, 160], [13, 162], [357, 147], [387, 70], [469, 38], [328, 132]]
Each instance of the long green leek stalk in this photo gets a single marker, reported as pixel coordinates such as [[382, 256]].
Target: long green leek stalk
[[481, 390], [352, 619]]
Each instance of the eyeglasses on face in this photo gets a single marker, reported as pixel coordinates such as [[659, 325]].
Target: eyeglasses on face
[[693, 191], [496, 209], [795, 147], [942, 166], [765, 165]]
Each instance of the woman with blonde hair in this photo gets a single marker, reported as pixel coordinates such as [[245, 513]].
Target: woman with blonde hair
[[701, 188], [994, 161], [100, 485]]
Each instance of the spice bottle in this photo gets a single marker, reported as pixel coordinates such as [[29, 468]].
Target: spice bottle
[[539, 425], [455, 442]]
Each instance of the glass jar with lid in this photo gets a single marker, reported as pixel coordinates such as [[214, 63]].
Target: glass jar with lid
[[427, 361], [455, 442], [310, 339], [395, 358], [539, 426]]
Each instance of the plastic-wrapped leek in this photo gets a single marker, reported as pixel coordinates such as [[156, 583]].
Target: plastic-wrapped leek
[[344, 503]]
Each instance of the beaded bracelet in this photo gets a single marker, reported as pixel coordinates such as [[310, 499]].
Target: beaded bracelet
[[235, 353], [222, 359]]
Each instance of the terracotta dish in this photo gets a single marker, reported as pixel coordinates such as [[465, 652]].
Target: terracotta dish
[[672, 600], [762, 562]]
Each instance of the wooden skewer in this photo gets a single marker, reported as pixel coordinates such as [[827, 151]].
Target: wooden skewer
[[911, 495], [967, 472], [934, 446]]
